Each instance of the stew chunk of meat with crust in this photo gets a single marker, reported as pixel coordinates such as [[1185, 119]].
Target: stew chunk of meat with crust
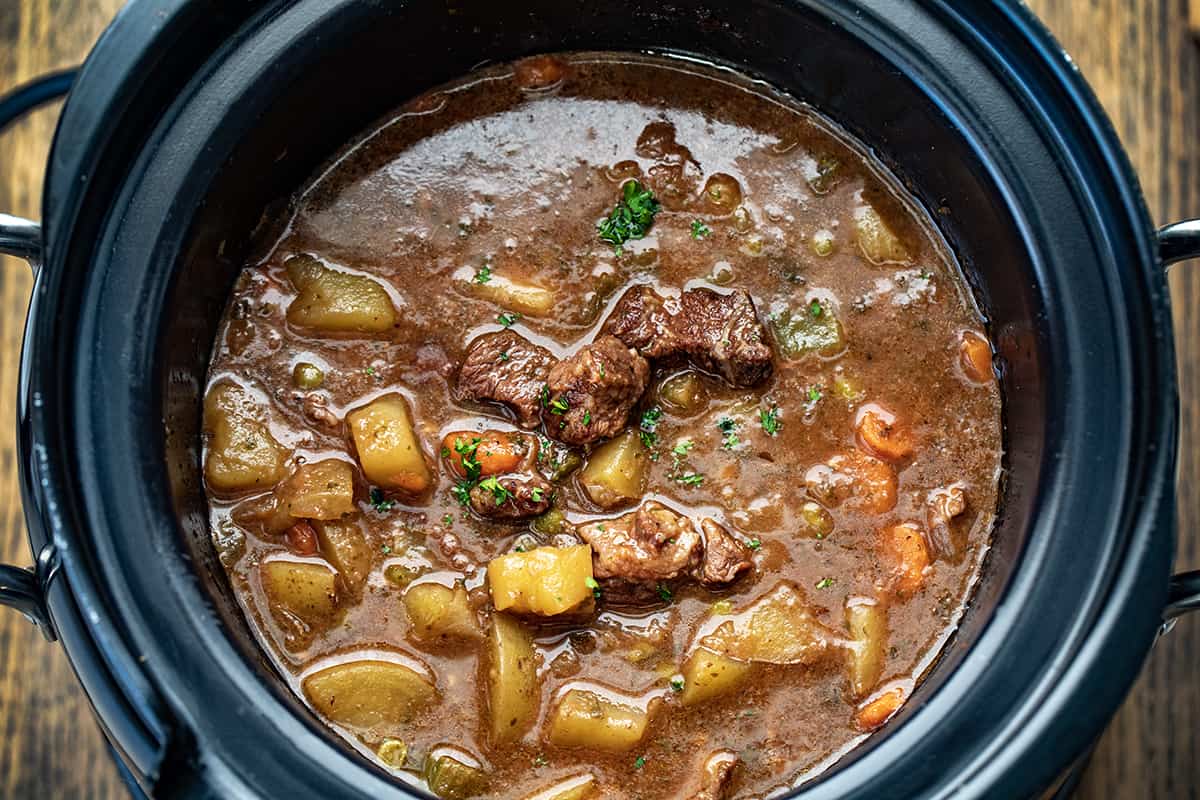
[[602, 426]]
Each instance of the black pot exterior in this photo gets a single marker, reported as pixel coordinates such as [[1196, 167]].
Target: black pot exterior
[[169, 148]]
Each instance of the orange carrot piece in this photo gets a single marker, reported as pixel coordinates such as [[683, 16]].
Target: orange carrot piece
[[905, 545], [879, 710], [976, 356], [497, 452], [880, 434]]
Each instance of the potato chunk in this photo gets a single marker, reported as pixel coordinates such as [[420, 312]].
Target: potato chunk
[[369, 693], [512, 684], [452, 778], [345, 545], [587, 719], [305, 589], [615, 474], [544, 581], [321, 490], [579, 787], [337, 302], [387, 446], [812, 328], [511, 294], [876, 240], [868, 625], [777, 628], [707, 675], [439, 613], [242, 453]]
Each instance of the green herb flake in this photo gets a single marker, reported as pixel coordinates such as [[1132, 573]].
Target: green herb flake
[[664, 592], [493, 485], [815, 309], [639, 762], [466, 451], [683, 447], [699, 229], [462, 492], [769, 420], [379, 502], [448, 520], [587, 418], [753, 544], [591, 583], [690, 479], [536, 494], [540, 760], [677, 683], [631, 218], [728, 426], [387, 549], [504, 356], [824, 583], [508, 320], [814, 394], [649, 423], [483, 275], [559, 406]]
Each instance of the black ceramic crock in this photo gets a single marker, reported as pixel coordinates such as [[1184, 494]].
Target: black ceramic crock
[[191, 117]]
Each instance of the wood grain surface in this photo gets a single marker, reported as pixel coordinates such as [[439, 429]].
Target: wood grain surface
[[1140, 58]]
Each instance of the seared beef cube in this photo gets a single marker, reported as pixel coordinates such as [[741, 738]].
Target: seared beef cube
[[719, 333], [725, 558], [650, 545], [504, 367], [518, 496], [589, 395], [716, 781]]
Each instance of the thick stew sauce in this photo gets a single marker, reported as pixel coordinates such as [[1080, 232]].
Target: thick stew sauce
[[603, 426]]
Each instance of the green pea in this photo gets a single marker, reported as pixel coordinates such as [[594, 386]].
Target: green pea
[[307, 376]]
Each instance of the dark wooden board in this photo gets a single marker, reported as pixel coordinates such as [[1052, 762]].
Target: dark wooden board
[[1140, 58]]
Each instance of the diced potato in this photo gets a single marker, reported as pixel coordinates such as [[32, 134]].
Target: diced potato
[[388, 448], [684, 393], [242, 453], [321, 490], [496, 452], [975, 355], [707, 675], [579, 787], [586, 719], [777, 628], [335, 301], [868, 625], [439, 613], [880, 709], [305, 589], [876, 240], [816, 521], [802, 331], [884, 436], [452, 778], [510, 294], [905, 545], [512, 687], [345, 545], [369, 693], [393, 752], [544, 581], [615, 474]]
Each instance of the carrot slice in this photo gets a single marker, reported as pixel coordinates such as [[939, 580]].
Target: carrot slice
[[976, 356], [496, 452], [882, 435], [905, 545], [879, 710]]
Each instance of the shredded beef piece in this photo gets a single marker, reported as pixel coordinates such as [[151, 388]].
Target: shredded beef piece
[[725, 558], [504, 367], [513, 496], [719, 333], [716, 781], [589, 395]]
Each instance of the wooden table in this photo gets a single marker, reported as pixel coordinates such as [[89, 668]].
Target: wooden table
[[1146, 69]]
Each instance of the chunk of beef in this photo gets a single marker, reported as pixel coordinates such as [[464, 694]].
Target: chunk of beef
[[590, 394], [944, 505], [637, 552], [517, 496], [725, 558], [504, 367], [675, 174], [716, 779], [719, 333]]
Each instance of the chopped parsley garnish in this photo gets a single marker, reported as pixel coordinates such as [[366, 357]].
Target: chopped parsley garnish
[[536, 494], [466, 453], [540, 760], [631, 218], [370, 371], [448, 519], [699, 229], [815, 309], [591, 583], [639, 762], [728, 426], [545, 396], [504, 355], [682, 447], [690, 479], [499, 493], [379, 502], [484, 274], [677, 683], [462, 492], [386, 549], [664, 592], [770, 420], [559, 406], [587, 418], [508, 320], [814, 394], [753, 544], [824, 583], [650, 418]]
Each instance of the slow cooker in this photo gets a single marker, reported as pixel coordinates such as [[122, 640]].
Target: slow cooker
[[191, 117]]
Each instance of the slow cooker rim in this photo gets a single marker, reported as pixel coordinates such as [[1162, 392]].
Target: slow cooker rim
[[35, 422]]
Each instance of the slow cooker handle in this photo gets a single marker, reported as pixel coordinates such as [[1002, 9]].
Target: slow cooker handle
[[20, 588]]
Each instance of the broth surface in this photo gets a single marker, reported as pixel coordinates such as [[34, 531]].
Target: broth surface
[[475, 209]]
